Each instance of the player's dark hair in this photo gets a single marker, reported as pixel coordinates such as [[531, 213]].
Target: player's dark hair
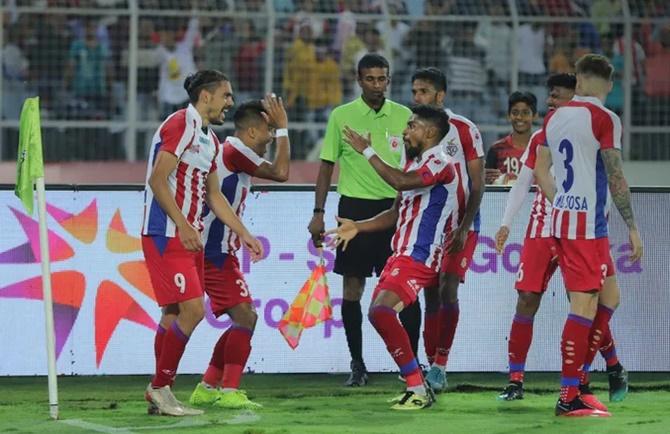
[[568, 81], [206, 79], [433, 76], [248, 113], [372, 60], [434, 115], [595, 65], [525, 97]]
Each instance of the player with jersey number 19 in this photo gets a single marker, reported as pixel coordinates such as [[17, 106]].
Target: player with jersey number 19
[[583, 138], [181, 180], [241, 159], [426, 199]]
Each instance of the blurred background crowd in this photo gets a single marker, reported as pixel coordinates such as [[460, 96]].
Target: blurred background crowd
[[83, 56]]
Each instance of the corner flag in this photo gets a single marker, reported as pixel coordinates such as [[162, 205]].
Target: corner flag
[[29, 165], [29, 175], [310, 307]]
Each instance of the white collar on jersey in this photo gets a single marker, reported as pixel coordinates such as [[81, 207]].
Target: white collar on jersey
[[425, 155], [591, 99], [191, 111], [235, 140]]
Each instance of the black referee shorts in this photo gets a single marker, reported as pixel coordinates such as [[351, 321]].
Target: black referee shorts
[[367, 252]]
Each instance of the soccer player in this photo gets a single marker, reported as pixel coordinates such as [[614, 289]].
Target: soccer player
[[463, 146], [584, 139], [503, 160], [539, 261], [241, 159], [363, 194], [181, 180], [426, 199]]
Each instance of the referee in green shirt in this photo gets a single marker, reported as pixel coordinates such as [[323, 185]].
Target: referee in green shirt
[[364, 194]]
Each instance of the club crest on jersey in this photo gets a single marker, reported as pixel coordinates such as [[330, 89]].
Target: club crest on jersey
[[394, 143], [451, 148]]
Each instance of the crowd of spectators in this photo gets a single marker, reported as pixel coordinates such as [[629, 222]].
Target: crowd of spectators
[[78, 64]]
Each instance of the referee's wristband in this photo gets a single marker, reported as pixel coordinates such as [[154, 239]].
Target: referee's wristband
[[281, 132], [369, 152], [319, 211]]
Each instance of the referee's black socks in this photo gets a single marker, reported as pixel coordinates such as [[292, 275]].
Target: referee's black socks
[[352, 317]]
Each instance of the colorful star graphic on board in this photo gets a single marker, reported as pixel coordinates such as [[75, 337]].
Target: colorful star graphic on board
[[112, 302]]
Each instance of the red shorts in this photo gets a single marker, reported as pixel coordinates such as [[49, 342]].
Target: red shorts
[[225, 284], [176, 274], [584, 263], [539, 260], [459, 263], [405, 277]]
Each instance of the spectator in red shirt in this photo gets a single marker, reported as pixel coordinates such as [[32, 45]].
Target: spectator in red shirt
[[503, 160]]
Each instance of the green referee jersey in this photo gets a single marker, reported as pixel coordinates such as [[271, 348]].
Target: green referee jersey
[[357, 177]]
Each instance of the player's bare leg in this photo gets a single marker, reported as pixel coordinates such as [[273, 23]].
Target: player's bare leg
[[520, 338], [574, 345], [352, 318], [448, 321], [161, 400], [383, 315]]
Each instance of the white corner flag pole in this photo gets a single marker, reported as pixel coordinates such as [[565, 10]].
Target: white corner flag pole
[[48, 299]]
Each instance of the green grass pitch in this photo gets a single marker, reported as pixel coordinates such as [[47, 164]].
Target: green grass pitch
[[320, 404]]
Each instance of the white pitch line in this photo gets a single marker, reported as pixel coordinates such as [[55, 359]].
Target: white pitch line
[[184, 423], [241, 418]]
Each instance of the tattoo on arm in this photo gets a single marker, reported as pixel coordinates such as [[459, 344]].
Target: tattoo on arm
[[618, 185]]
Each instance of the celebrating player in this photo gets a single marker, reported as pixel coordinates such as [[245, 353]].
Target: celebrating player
[[420, 212], [242, 158], [463, 146], [539, 261], [181, 180], [585, 139], [503, 160]]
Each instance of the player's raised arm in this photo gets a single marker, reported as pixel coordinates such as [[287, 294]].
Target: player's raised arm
[[224, 212], [396, 178], [165, 164], [621, 197], [542, 172], [275, 115], [348, 228]]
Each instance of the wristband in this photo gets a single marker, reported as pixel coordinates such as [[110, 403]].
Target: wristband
[[281, 132], [319, 210], [369, 152]]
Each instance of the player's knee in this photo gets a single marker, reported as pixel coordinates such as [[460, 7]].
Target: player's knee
[[528, 303]]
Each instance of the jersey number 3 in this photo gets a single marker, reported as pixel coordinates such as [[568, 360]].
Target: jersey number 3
[[565, 147]]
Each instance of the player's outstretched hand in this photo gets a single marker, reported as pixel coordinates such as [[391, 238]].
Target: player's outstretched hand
[[456, 241], [275, 113], [358, 142], [501, 238], [254, 246], [636, 245], [190, 238], [343, 233]]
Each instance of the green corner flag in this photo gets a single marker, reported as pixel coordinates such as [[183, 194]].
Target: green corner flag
[[29, 164]]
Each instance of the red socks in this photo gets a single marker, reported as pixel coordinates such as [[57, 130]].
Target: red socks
[[520, 337], [385, 321], [174, 342], [574, 344], [158, 343], [599, 329], [430, 334], [229, 358], [448, 318]]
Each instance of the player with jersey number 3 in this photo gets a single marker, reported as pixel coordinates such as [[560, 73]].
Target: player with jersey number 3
[[583, 141], [181, 182], [426, 199]]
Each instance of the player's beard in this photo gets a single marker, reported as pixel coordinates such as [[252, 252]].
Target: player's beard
[[218, 120], [412, 152]]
